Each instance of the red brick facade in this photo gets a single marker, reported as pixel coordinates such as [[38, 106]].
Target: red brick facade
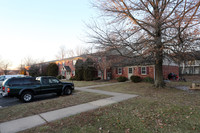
[[170, 69], [148, 71], [67, 62], [115, 73]]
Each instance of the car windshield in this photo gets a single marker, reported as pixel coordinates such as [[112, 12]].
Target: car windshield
[[2, 78]]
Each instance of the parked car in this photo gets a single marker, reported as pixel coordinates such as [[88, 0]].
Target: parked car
[[4, 77], [25, 88]]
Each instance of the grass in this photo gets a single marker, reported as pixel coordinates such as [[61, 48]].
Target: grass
[[28, 109], [155, 110], [88, 83]]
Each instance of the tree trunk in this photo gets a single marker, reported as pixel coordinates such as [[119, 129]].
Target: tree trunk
[[159, 83]]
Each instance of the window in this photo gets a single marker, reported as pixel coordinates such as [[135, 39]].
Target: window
[[191, 62], [74, 62], [73, 73], [2, 78], [99, 73], [45, 81], [15, 82], [143, 71], [130, 70], [63, 73], [120, 71], [53, 81]]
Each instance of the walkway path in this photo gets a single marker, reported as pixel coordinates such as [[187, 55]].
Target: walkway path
[[43, 118]]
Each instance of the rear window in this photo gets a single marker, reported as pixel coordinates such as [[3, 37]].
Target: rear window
[[29, 81], [15, 82], [19, 81]]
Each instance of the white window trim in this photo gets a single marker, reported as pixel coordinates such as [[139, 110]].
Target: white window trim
[[118, 71], [145, 70], [74, 62], [129, 71]]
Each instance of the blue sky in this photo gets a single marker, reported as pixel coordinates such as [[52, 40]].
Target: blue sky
[[37, 28]]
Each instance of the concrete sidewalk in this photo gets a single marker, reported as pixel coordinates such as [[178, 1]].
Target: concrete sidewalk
[[43, 118]]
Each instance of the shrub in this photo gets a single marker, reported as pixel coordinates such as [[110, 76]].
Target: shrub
[[79, 74], [72, 78], [122, 79], [89, 73], [79, 70], [60, 77], [136, 79], [148, 79], [52, 69], [97, 78]]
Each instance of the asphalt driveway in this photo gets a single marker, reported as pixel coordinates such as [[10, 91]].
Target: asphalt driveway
[[10, 101]]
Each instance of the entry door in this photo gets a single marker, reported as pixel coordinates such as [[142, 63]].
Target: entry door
[[68, 75], [130, 72]]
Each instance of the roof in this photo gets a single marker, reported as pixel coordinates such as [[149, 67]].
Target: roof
[[139, 60], [67, 68]]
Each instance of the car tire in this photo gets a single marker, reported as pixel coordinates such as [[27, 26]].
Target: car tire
[[67, 91], [27, 96]]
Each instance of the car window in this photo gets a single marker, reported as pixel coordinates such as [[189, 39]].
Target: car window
[[2, 78], [45, 81], [15, 82], [29, 81], [54, 81]]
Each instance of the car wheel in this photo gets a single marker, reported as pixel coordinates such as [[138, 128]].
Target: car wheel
[[27, 96], [67, 91]]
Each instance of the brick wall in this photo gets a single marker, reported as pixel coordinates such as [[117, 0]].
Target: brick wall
[[137, 72], [150, 72], [169, 69], [116, 75], [66, 63]]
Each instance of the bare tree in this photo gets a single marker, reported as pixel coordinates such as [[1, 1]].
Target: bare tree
[[70, 53], [78, 51], [104, 60], [148, 27], [28, 61], [5, 65], [81, 50], [61, 53]]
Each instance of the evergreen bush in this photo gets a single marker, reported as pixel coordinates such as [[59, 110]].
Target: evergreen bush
[[52, 69], [122, 79], [148, 79], [61, 77], [72, 78], [136, 79]]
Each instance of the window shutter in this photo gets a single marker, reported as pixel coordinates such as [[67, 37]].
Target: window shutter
[[116, 71], [122, 70], [147, 70], [139, 70]]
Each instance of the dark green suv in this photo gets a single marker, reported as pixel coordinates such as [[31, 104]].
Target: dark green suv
[[25, 88]]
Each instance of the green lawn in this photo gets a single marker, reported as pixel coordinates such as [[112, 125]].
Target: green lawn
[[155, 110], [33, 108]]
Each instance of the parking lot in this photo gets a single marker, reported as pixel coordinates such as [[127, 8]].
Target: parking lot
[[10, 101]]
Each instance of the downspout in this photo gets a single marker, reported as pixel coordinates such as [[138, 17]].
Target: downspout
[[183, 68]]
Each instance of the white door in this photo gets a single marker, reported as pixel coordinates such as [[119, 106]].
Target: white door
[[130, 72], [68, 75]]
